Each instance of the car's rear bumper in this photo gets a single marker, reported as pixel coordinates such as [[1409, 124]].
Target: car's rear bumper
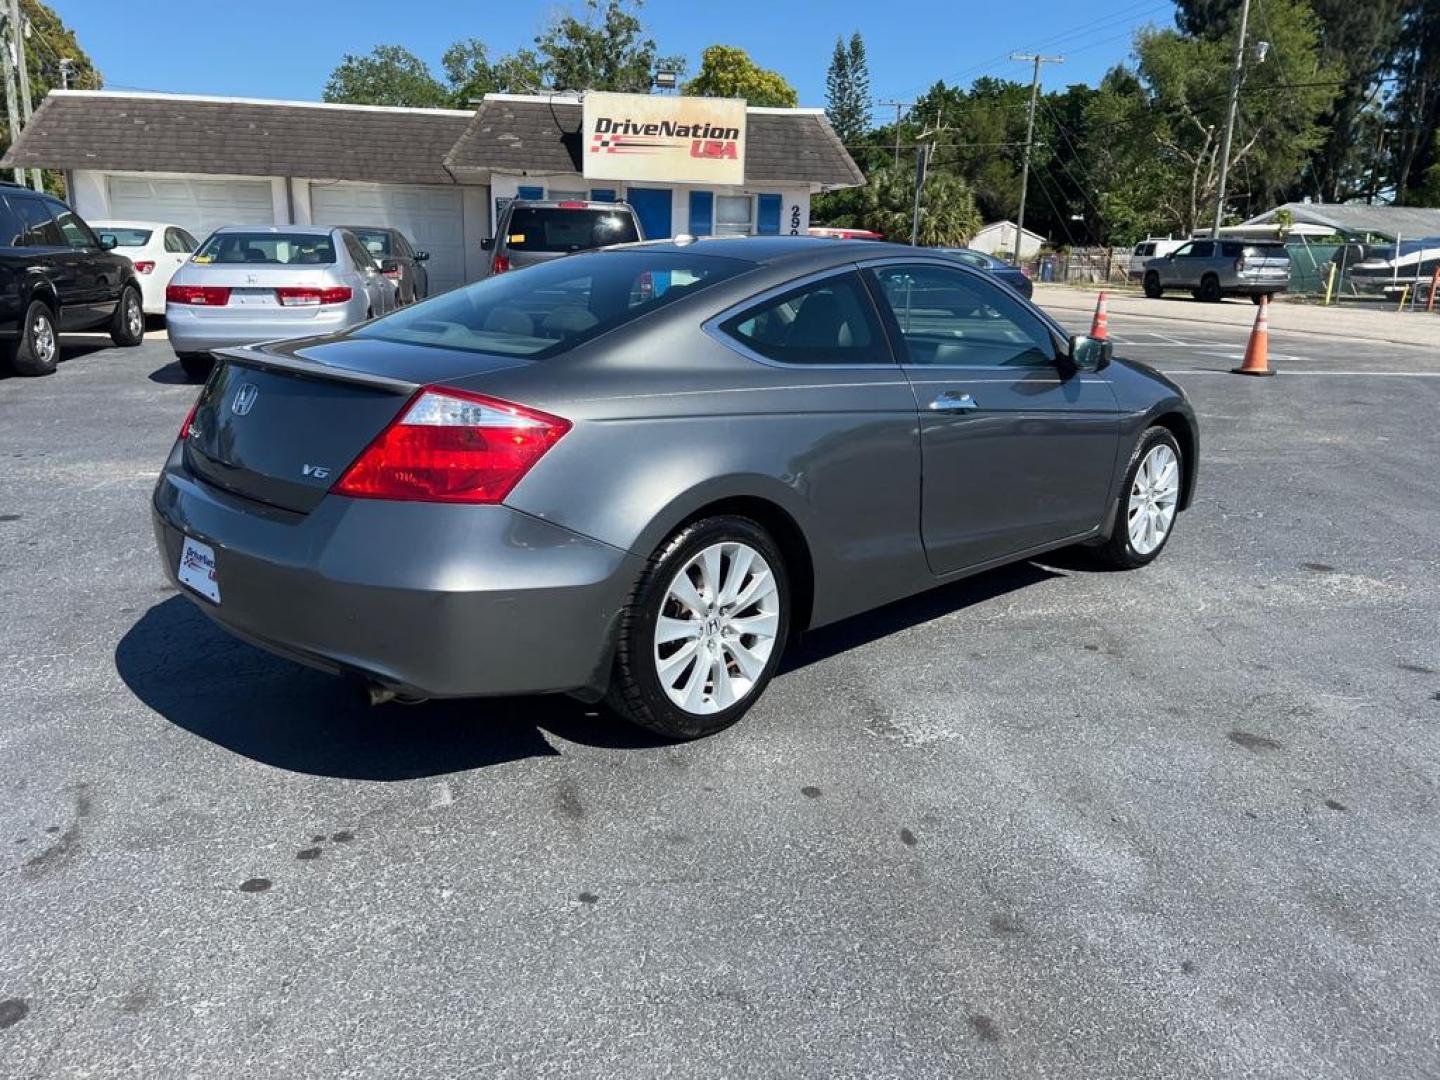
[[1256, 287], [430, 600], [193, 330]]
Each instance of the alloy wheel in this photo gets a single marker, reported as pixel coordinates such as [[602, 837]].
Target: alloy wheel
[[134, 319], [1154, 495], [42, 336], [717, 628]]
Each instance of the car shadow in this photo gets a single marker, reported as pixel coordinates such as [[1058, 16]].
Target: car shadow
[[199, 678], [69, 350], [270, 710], [172, 374]]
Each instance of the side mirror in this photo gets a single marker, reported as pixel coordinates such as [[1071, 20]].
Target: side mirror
[[108, 242], [424, 256], [1089, 354], [488, 244]]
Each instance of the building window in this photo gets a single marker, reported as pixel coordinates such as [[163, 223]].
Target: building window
[[734, 215]]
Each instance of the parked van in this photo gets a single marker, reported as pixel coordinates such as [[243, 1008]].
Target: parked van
[[1152, 247]]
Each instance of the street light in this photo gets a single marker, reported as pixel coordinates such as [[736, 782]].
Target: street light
[[666, 79]]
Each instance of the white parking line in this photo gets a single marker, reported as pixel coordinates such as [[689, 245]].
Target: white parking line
[[1361, 374]]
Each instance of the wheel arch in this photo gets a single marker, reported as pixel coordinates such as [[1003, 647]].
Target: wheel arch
[[1180, 426]]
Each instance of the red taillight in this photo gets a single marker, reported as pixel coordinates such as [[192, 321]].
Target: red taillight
[[189, 419], [395, 273], [206, 295], [310, 295], [499, 264], [451, 446], [144, 266]]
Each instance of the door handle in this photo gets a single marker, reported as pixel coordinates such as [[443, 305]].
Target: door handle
[[954, 403]]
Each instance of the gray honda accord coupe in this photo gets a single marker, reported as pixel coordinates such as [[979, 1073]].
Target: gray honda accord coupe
[[635, 474]]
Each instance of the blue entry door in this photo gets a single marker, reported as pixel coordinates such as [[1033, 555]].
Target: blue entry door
[[652, 207]]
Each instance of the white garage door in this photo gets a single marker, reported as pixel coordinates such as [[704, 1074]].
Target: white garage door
[[198, 204], [430, 217]]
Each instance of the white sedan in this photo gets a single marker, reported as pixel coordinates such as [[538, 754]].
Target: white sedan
[[156, 249]]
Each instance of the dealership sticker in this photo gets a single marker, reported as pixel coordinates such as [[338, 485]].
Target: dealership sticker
[[515, 238], [197, 569]]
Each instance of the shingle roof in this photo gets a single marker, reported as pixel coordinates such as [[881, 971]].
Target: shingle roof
[[1354, 219], [536, 136], [175, 133]]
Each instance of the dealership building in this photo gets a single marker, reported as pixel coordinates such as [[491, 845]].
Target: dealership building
[[687, 165]]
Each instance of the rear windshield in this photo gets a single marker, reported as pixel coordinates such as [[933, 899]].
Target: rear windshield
[[276, 249], [125, 237], [548, 309], [534, 228], [1256, 251], [376, 241]]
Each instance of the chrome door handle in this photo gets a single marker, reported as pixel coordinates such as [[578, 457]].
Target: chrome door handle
[[952, 402]]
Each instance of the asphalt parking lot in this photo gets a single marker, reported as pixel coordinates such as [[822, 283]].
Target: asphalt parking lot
[[1180, 822]]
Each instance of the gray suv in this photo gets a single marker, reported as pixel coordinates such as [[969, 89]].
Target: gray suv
[[1212, 269], [536, 230]]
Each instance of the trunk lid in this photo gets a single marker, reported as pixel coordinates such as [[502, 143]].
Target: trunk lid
[[280, 424]]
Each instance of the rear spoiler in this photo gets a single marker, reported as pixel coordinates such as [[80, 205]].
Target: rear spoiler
[[250, 356]]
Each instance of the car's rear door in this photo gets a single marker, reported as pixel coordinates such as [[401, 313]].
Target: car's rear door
[[1014, 454]]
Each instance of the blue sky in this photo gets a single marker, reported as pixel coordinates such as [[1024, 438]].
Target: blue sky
[[266, 48]]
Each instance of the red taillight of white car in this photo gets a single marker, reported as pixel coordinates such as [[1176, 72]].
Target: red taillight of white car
[[144, 266], [198, 295], [312, 296], [452, 446]]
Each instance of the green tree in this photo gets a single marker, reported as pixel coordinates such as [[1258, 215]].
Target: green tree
[[49, 42], [1414, 107], [847, 90], [606, 50], [726, 71], [471, 75], [948, 217], [389, 75]]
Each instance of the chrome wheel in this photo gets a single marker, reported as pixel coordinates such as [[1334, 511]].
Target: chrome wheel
[[134, 317], [1154, 495], [717, 628], [42, 338]]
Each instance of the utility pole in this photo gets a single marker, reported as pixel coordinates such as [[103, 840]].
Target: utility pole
[[17, 39], [1235, 75], [899, 105], [6, 55], [1030, 138]]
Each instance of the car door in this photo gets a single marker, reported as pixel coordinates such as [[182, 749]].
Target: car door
[[49, 254], [376, 285], [1194, 260], [98, 274], [1015, 455]]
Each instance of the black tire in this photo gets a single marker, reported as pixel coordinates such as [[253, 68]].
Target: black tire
[[1118, 553], [1152, 286], [196, 365], [1209, 290], [127, 325], [636, 692], [36, 350]]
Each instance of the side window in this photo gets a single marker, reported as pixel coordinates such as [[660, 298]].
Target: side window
[[1201, 249], [358, 253], [189, 241], [402, 247], [950, 317], [76, 233], [11, 228], [39, 228], [825, 322], [175, 242]]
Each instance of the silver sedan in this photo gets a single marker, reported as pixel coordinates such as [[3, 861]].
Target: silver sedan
[[266, 283]]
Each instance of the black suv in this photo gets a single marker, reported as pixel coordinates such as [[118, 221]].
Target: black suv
[[56, 276]]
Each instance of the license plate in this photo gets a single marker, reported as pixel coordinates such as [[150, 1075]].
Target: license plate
[[197, 569], [253, 297]]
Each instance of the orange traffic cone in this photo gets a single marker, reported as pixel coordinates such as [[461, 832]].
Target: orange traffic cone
[[1100, 325], [1257, 352]]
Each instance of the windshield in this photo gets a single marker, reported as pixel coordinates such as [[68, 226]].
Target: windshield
[[276, 249], [537, 228], [376, 241], [125, 237], [551, 308]]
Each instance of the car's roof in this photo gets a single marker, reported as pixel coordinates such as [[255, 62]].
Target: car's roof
[[768, 250], [571, 204], [118, 223], [289, 230], [369, 228]]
